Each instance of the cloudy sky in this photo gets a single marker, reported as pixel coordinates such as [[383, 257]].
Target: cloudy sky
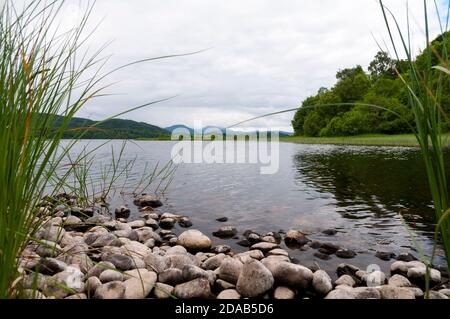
[[262, 55]]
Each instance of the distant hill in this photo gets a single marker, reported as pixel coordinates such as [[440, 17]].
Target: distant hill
[[112, 129], [177, 126], [191, 130]]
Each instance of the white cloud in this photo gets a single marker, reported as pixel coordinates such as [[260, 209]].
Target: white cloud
[[264, 55]]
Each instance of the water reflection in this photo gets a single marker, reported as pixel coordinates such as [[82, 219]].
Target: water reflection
[[370, 182]]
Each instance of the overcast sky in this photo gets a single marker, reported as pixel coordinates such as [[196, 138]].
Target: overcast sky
[[263, 56]]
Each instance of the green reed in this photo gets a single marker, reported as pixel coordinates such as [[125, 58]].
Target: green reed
[[424, 94]]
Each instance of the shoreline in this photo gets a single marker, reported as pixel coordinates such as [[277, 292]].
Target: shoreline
[[109, 257], [399, 140]]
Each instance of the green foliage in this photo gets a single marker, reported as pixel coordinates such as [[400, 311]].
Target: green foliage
[[382, 86], [313, 124], [352, 84], [354, 122]]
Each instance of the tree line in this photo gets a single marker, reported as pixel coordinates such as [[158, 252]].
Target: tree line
[[372, 101]]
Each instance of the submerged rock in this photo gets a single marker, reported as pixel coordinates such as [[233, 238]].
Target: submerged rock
[[345, 253], [385, 255], [295, 237], [225, 232], [122, 212], [148, 200]]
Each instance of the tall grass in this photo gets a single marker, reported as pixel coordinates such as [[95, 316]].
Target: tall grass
[[424, 94], [39, 73], [44, 72]]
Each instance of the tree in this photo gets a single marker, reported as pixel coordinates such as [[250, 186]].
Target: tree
[[382, 66], [352, 84]]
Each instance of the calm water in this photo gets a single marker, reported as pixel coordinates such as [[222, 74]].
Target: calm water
[[360, 191]]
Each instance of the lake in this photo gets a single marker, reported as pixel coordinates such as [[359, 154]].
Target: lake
[[375, 197]]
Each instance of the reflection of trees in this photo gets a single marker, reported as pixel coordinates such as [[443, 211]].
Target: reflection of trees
[[372, 182]]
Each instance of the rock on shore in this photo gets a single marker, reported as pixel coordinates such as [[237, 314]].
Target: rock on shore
[[150, 257]]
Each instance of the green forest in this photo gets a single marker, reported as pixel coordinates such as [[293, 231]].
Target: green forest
[[350, 106]]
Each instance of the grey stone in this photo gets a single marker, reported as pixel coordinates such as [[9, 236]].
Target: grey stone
[[345, 280], [110, 290], [291, 275], [92, 283], [110, 275], [148, 200], [264, 246], [345, 253], [282, 292], [191, 272], [254, 280], [390, 292], [197, 288], [171, 276], [167, 223], [340, 294], [229, 294], [140, 285], [322, 282], [163, 291], [138, 223], [399, 281], [156, 262], [181, 260], [96, 270], [194, 240], [295, 237], [221, 249], [225, 232], [223, 285], [366, 293], [230, 270], [121, 262], [51, 266], [106, 240], [214, 262]]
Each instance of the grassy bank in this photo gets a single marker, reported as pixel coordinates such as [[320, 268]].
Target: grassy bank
[[374, 139]]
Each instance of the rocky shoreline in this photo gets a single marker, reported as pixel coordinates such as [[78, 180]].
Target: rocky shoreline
[[80, 254]]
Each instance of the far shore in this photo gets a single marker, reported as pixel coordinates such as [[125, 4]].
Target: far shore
[[407, 140]]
